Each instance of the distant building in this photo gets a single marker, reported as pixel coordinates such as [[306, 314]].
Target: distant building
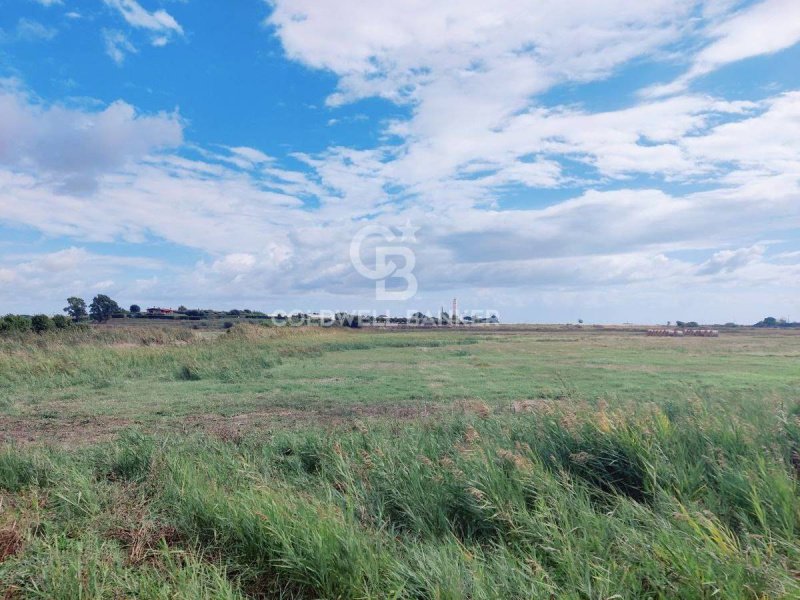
[[159, 311]]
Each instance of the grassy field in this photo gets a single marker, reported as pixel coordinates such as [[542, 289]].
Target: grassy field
[[309, 463]]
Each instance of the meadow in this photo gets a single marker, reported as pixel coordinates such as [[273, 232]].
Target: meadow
[[335, 463]]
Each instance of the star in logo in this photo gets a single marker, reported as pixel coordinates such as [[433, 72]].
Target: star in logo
[[408, 231]]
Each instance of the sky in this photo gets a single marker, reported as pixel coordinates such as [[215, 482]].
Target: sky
[[545, 160]]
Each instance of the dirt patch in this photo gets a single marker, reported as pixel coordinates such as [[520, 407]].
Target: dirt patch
[[234, 426], [83, 431], [10, 542], [543, 406], [61, 432], [379, 411], [143, 541], [477, 407]]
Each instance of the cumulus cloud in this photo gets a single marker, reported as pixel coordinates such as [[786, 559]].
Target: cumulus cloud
[[641, 186], [243, 210], [72, 146], [728, 261], [400, 50], [472, 73], [767, 141], [28, 278]]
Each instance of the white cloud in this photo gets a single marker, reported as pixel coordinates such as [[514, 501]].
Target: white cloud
[[159, 24], [159, 21], [470, 78], [117, 45], [767, 141], [471, 73], [248, 157], [28, 30], [763, 28], [57, 275], [235, 263], [397, 50], [728, 261], [71, 147]]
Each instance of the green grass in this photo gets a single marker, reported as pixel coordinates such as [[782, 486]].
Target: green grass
[[341, 464]]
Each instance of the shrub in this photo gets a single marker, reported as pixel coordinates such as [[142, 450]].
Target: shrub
[[60, 322], [189, 372], [41, 323], [15, 323]]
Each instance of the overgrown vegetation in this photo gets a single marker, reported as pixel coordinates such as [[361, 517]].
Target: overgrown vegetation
[[527, 483], [555, 502]]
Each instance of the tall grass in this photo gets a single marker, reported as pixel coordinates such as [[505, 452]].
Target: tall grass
[[101, 356], [693, 502]]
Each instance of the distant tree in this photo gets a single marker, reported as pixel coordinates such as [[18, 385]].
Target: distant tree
[[770, 322], [182, 309], [580, 321], [60, 322], [41, 323], [135, 309], [102, 307], [76, 308], [692, 324]]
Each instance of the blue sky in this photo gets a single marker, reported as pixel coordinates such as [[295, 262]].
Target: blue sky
[[613, 161]]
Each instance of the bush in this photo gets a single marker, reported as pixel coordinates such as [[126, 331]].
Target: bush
[[41, 323], [61, 322], [15, 323]]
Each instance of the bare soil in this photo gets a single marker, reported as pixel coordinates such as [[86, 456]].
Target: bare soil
[[80, 431]]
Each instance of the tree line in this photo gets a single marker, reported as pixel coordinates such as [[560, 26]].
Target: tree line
[[101, 309]]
